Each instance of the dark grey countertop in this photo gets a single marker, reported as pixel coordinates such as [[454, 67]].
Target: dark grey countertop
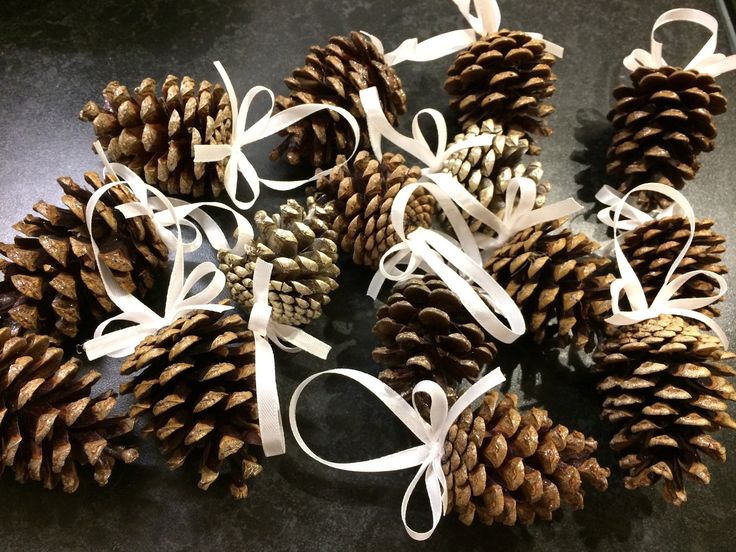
[[56, 55]]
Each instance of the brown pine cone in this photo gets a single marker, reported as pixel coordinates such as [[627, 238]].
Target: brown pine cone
[[652, 247], [52, 285], [50, 423], [506, 467], [359, 199], [301, 246], [485, 171], [662, 122], [335, 75], [666, 387], [426, 333], [560, 285], [195, 385], [505, 76], [155, 136]]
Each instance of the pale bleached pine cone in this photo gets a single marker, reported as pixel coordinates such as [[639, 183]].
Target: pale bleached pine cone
[[155, 135], [666, 390], [51, 282], [358, 199], [335, 75], [485, 171], [302, 249], [506, 467], [194, 384], [52, 426]]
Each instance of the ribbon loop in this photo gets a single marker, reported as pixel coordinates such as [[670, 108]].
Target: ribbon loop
[[705, 61], [428, 455], [267, 125], [663, 303], [265, 329]]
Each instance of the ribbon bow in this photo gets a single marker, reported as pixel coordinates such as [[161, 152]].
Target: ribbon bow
[[122, 342], [429, 249], [428, 455], [265, 329], [268, 125], [163, 217], [519, 212], [634, 217], [486, 22], [629, 284], [705, 61]]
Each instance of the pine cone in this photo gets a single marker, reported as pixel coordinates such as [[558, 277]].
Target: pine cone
[[502, 466], [486, 170], [505, 76], [155, 136], [335, 75], [49, 422], [359, 199], [665, 387], [426, 333], [662, 122], [195, 385], [302, 248], [561, 287], [52, 285], [652, 247]]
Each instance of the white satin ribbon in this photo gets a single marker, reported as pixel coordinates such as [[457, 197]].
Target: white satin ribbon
[[634, 217], [521, 193], [705, 61], [428, 455], [122, 342], [268, 125], [265, 329], [630, 286], [163, 217], [429, 249], [486, 22]]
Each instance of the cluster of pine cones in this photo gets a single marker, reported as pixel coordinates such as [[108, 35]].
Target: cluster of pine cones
[[193, 382]]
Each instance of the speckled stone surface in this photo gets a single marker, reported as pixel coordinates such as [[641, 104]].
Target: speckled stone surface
[[56, 55]]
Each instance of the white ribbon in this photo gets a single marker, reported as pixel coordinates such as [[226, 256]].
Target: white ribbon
[[428, 455], [634, 217], [519, 212], [163, 217], [268, 125], [705, 61], [629, 284], [486, 22], [429, 249], [122, 342], [265, 329]]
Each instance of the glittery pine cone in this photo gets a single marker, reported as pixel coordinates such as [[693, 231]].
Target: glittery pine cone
[[155, 135], [666, 390], [302, 249]]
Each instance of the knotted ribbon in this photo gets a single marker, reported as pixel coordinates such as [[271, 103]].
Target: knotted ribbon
[[428, 455], [629, 285], [265, 329], [705, 61], [634, 217], [122, 342], [487, 21], [183, 211], [268, 125]]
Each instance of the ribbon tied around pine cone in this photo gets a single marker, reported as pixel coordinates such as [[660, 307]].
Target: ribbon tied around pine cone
[[428, 455], [429, 249], [663, 303], [705, 61], [264, 330], [268, 125], [487, 21], [521, 193], [120, 343]]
